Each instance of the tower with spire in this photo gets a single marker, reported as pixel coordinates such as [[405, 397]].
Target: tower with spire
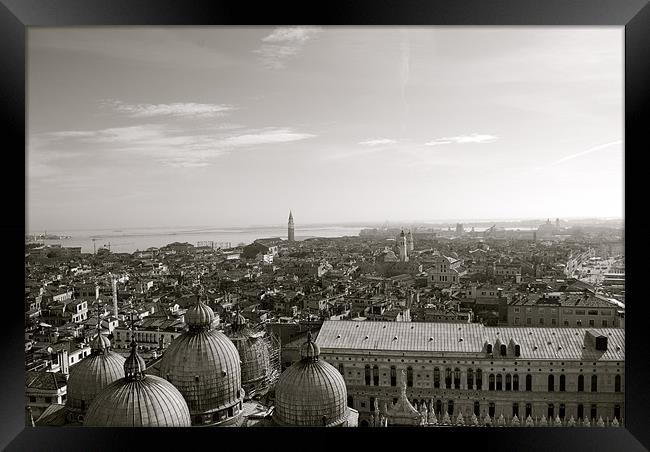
[[290, 233]]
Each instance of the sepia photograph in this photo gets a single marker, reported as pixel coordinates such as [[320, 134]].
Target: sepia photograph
[[325, 226]]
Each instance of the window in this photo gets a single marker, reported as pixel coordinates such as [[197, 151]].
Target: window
[[617, 412], [516, 320], [562, 383], [508, 382], [517, 350], [529, 321], [551, 411], [436, 378], [581, 383], [594, 383], [456, 378], [553, 322], [594, 412], [551, 383], [32, 399], [592, 322], [409, 377], [499, 382], [491, 409], [541, 320], [450, 407], [529, 410], [341, 370], [477, 408], [504, 350], [491, 382], [48, 399], [581, 411], [516, 309], [578, 322], [562, 412], [372, 404], [529, 382], [439, 407], [448, 378], [393, 376], [489, 348], [617, 383], [593, 312], [515, 409], [375, 375], [604, 323], [367, 375], [470, 378], [580, 312], [566, 323], [479, 379]]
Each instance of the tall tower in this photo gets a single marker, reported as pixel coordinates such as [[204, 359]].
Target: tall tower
[[290, 232], [401, 243], [409, 239], [114, 287]]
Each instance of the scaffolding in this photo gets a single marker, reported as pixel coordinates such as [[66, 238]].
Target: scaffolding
[[259, 352]]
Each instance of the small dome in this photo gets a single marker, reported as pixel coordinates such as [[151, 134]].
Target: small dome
[[199, 315], [89, 377], [134, 365], [100, 343], [311, 392], [147, 402], [309, 350], [138, 400]]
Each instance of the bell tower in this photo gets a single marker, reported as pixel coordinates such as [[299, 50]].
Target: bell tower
[[290, 233]]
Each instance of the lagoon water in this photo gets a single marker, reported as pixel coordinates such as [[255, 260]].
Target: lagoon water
[[130, 240]]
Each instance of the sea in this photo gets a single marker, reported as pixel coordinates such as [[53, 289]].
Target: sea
[[129, 240]]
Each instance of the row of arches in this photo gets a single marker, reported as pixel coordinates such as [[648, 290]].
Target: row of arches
[[474, 379]]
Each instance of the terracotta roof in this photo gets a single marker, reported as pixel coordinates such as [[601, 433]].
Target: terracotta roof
[[45, 380], [470, 338]]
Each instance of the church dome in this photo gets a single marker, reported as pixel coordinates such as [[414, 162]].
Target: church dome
[[204, 365], [311, 392], [138, 400], [94, 373], [199, 315]]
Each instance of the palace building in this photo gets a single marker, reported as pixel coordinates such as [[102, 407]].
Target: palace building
[[471, 369]]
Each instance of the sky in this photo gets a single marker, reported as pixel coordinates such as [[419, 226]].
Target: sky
[[235, 126]]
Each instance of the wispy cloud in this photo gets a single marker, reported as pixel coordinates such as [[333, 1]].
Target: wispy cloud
[[588, 151], [284, 43], [378, 142], [473, 138], [176, 109], [172, 146]]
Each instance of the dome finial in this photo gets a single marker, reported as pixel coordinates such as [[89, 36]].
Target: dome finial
[[134, 366], [101, 343], [309, 350]]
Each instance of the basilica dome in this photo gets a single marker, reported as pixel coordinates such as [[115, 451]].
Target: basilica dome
[[138, 400], [311, 392], [255, 350], [204, 365], [90, 376]]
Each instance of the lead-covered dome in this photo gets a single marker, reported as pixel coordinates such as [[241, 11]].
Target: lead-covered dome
[[90, 376], [203, 364], [311, 392], [138, 400], [258, 371]]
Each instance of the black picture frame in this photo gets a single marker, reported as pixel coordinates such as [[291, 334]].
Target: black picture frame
[[16, 15]]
